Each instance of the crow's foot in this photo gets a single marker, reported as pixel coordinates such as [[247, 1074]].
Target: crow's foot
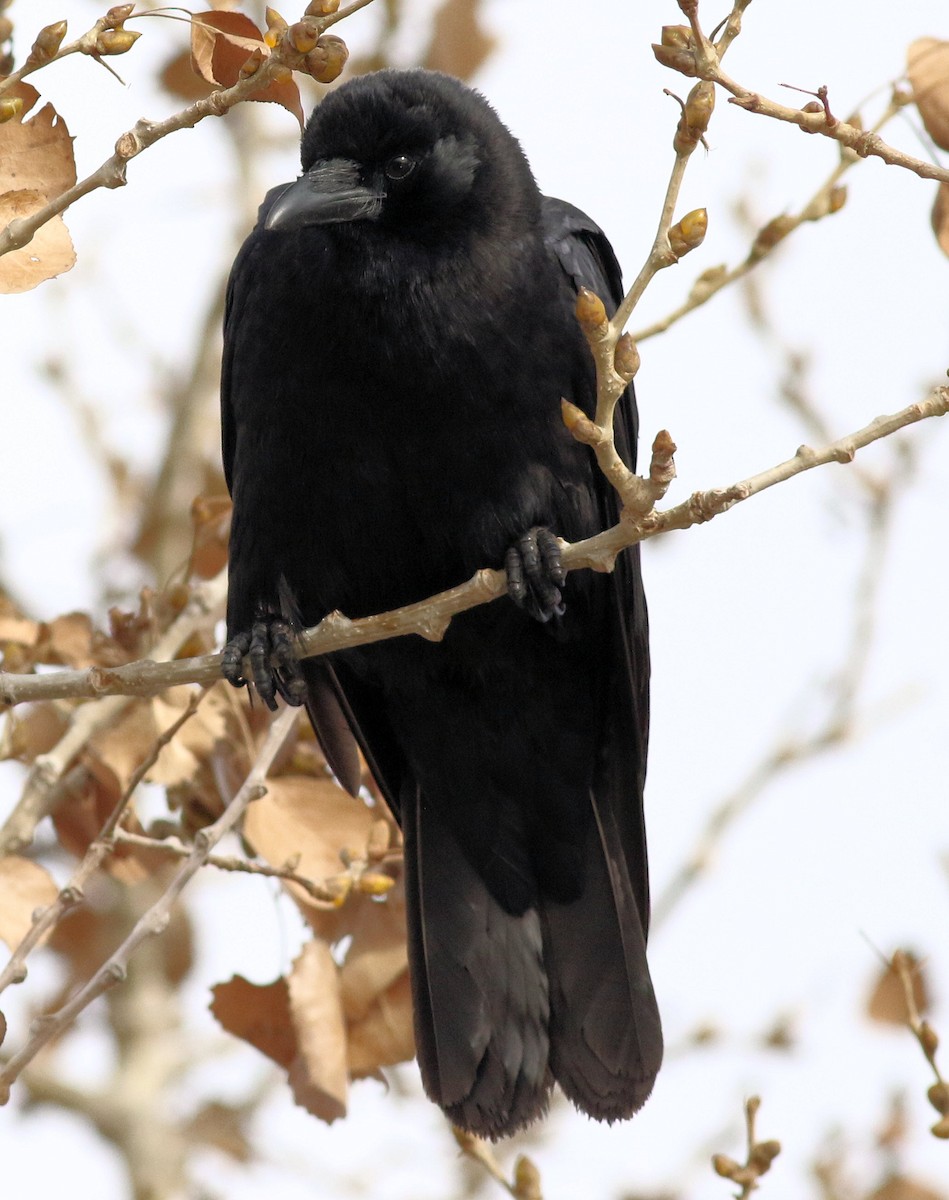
[[535, 574], [274, 667]]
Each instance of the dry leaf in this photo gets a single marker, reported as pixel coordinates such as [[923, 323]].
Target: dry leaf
[[221, 1126], [377, 955], [318, 1076], [899, 1187], [36, 165], [887, 1002], [35, 731], [308, 822], [179, 77], [211, 517], [459, 43], [258, 1014], [24, 887], [385, 1035], [70, 641], [222, 42], [927, 64], [940, 217]]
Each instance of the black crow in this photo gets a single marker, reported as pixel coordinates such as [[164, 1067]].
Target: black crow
[[399, 333]]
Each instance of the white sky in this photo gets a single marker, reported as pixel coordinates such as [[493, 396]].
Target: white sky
[[748, 614]]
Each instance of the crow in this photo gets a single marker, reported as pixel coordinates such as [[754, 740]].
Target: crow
[[399, 333]]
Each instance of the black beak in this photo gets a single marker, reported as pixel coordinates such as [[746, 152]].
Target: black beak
[[329, 193]]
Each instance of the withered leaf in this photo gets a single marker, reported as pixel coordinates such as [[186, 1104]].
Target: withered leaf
[[36, 165], [901, 1187], [377, 955], [258, 1014], [179, 77], [307, 821], [927, 64], [221, 1126], [318, 1075], [459, 43], [940, 217], [24, 887], [211, 518], [222, 42], [887, 1002], [384, 1035], [33, 732]]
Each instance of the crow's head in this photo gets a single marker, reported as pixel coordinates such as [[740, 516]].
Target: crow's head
[[415, 153]]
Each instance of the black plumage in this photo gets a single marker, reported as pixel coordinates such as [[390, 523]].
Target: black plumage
[[398, 337]]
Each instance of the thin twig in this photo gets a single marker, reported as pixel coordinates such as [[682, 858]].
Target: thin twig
[[155, 920]]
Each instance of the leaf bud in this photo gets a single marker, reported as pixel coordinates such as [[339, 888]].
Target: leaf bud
[[939, 1097], [116, 41], [676, 49], [941, 1128], [303, 36], [928, 1039], [526, 1179], [626, 358], [48, 41], [590, 311], [689, 233], [696, 114], [375, 883], [276, 27], [838, 197], [763, 1155], [775, 231], [252, 64], [10, 107], [118, 14], [326, 61], [322, 8], [678, 37], [725, 1166]]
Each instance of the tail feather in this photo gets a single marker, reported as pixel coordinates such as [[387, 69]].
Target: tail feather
[[480, 990]]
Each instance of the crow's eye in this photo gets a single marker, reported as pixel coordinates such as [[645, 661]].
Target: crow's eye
[[400, 167]]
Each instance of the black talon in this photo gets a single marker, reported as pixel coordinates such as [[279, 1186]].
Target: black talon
[[274, 668], [535, 574]]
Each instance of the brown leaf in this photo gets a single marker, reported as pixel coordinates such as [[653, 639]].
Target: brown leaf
[[36, 165], [179, 77], [318, 1075], [887, 1002], [222, 42], [211, 517], [258, 1014], [221, 1126], [35, 731], [385, 1035], [927, 64], [940, 217], [308, 822], [19, 629], [900, 1187], [459, 43], [70, 640], [377, 955], [24, 887]]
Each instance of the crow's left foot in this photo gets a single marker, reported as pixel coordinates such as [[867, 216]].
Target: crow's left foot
[[274, 667], [535, 574]]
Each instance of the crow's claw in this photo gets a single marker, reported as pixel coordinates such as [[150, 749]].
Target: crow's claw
[[535, 574], [274, 667]]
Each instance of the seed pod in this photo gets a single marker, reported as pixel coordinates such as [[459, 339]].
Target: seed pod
[[326, 60]]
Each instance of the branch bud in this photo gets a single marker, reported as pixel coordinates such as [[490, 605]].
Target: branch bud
[[375, 883], [763, 1155], [48, 41], [775, 231], [676, 49], [118, 15], [941, 1128], [252, 64], [322, 8], [689, 233], [326, 60], [303, 36], [626, 358], [928, 1039], [590, 311], [526, 1179], [116, 41], [725, 1166], [10, 107], [276, 27], [696, 114], [939, 1097]]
